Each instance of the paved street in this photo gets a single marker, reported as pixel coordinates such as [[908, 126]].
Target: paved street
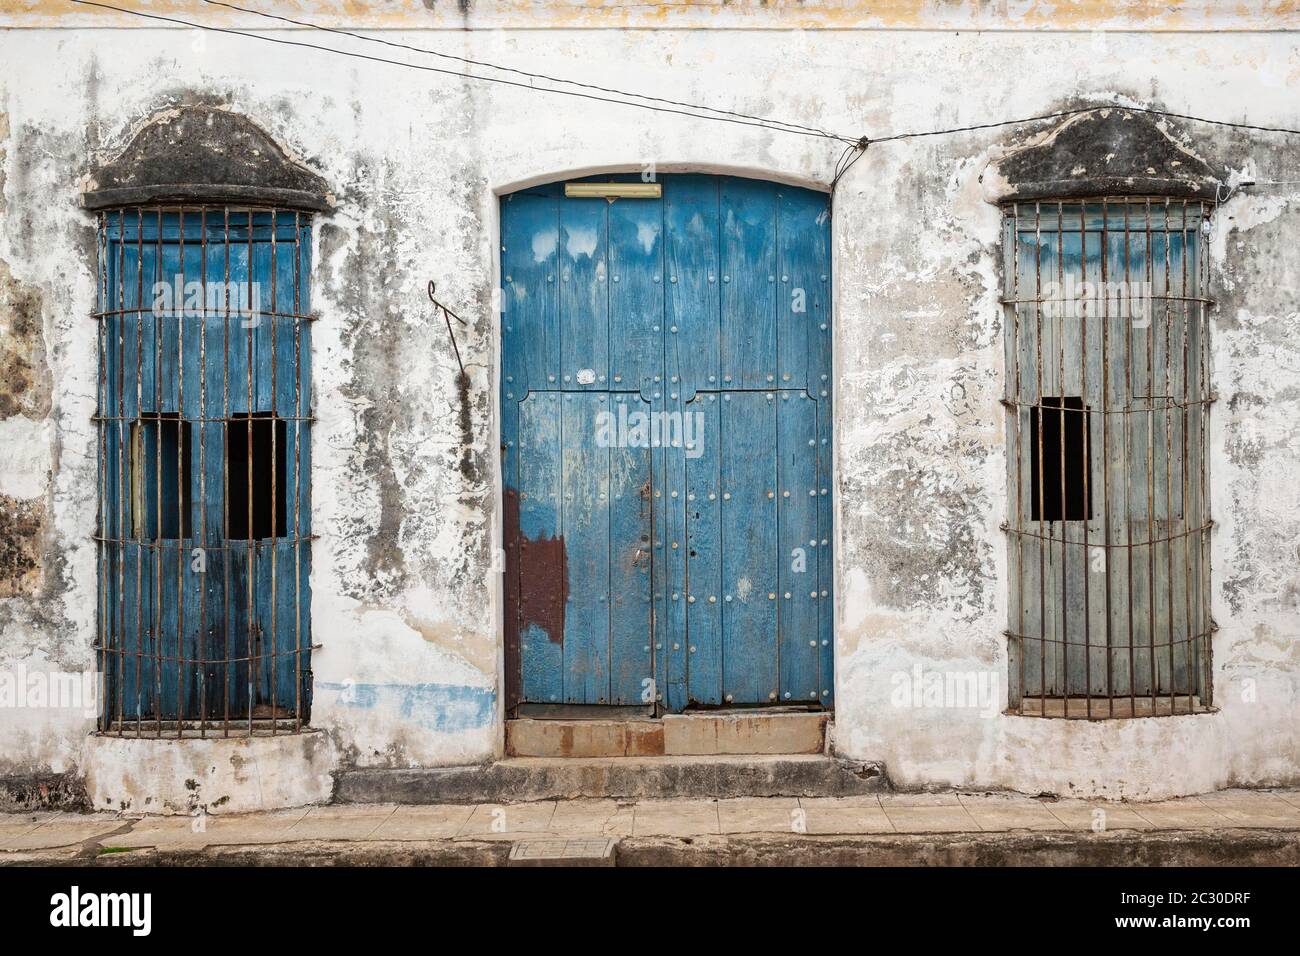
[[954, 816]]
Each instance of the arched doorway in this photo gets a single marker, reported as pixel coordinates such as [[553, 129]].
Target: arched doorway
[[666, 443]]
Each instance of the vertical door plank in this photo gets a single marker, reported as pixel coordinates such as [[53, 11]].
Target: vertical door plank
[[1092, 388], [820, 323], [585, 529], [261, 323], [635, 362], [825, 547], [636, 298], [670, 565], [192, 269], [749, 546], [693, 277], [209, 468], [694, 282], [798, 588], [529, 360], [286, 375], [131, 625], [167, 639], [543, 571], [530, 283], [214, 627], [803, 241], [263, 633], [630, 494], [584, 292], [703, 557], [126, 348], [747, 221]]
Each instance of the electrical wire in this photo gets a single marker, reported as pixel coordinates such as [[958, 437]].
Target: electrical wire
[[842, 167], [856, 146], [466, 76], [1083, 109], [517, 72]]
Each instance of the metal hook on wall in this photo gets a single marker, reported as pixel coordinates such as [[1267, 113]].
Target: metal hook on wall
[[447, 316]]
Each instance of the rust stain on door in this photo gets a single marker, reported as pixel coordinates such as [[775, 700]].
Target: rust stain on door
[[543, 582]]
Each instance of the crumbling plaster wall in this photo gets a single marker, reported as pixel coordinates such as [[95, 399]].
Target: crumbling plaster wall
[[406, 601], [45, 467]]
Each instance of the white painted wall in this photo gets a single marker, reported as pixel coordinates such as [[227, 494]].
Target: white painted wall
[[405, 600]]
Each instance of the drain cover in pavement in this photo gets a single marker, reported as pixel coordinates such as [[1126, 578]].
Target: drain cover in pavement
[[573, 851]]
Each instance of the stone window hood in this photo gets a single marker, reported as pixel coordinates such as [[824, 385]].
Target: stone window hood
[[197, 154], [1107, 152]]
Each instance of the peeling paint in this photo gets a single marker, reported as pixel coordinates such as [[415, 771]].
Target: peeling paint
[[445, 708]]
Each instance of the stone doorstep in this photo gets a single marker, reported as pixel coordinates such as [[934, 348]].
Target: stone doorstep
[[744, 733], [672, 735], [529, 737], [524, 779]]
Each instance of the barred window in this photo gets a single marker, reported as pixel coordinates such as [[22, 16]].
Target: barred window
[[204, 509], [1108, 396]]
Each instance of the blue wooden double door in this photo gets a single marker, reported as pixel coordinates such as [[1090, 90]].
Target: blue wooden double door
[[666, 446]]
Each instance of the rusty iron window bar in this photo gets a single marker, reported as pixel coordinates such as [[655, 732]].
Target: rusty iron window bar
[[204, 419], [1108, 399]]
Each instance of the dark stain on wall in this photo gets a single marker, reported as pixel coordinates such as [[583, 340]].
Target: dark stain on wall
[[204, 153], [25, 383], [465, 419], [375, 337], [378, 290], [20, 793], [22, 537], [1109, 152], [25, 389]]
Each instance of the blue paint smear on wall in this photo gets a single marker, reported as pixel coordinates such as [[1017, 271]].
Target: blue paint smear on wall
[[446, 708]]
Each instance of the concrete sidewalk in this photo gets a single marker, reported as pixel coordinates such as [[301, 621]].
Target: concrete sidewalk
[[1235, 826]]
